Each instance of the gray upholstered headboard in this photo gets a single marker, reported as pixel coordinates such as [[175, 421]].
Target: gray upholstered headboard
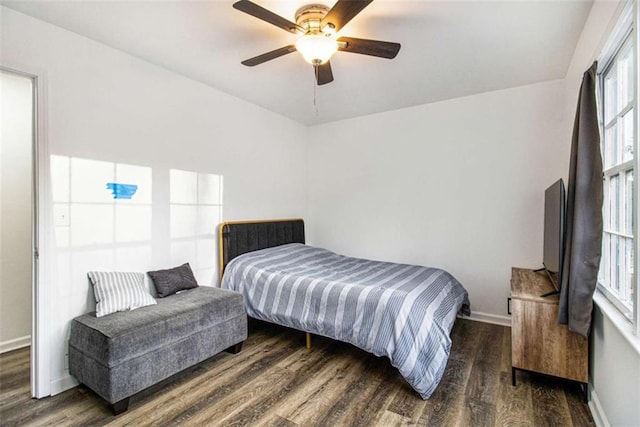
[[239, 237]]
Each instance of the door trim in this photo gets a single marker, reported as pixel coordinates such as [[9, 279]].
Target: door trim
[[41, 237]]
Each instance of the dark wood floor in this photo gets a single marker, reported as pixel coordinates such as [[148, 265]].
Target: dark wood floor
[[276, 381]]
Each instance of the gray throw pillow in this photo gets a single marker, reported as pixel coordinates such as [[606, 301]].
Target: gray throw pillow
[[168, 282]]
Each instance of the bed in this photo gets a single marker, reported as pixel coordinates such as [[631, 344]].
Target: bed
[[404, 312]]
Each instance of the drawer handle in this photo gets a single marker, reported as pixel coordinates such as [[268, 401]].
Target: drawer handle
[[509, 305]]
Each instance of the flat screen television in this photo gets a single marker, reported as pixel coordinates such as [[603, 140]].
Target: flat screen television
[[554, 222]]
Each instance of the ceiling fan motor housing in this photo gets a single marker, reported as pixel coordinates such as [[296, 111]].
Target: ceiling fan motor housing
[[309, 17]]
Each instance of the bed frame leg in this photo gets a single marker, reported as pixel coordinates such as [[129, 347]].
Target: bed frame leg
[[308, 340]]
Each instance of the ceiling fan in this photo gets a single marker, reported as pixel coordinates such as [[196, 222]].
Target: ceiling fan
[[318, 26]]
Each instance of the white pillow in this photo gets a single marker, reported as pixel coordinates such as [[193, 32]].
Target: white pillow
[[118, 291]]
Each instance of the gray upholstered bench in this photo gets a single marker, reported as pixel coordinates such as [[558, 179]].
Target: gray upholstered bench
[[123, 353]]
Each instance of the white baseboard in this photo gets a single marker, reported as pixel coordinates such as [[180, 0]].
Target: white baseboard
[[489, 318], [15, 344], [597, 412], [63, 384]]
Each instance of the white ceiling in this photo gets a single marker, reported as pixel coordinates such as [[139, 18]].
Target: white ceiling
[[449, 48]]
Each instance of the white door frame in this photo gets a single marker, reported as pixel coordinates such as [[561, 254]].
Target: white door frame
[[41, 235]]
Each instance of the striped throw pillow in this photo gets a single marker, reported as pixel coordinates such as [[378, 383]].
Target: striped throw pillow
[[119, 291]]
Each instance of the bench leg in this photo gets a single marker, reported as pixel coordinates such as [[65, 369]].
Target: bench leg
[[120, 407], [235, 349]]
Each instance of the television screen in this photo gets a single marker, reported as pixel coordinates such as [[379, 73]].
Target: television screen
[[554, 206]]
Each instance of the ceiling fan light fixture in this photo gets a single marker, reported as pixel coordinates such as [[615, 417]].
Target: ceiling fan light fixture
[[316, 48]]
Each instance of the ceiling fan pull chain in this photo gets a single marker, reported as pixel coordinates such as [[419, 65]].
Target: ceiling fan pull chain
[[315, 87]]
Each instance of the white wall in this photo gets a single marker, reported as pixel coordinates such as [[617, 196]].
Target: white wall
[[457, 184], [110, 107], [614, 373], [614, 364], [15, 211]]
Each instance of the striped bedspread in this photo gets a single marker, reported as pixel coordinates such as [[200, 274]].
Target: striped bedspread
[[404, 312]]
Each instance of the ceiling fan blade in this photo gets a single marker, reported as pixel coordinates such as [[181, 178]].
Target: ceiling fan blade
[[260, 12], [377, 48], [344, 11], [257, 60], [324, 74]]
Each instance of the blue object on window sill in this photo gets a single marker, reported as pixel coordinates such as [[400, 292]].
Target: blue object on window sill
[[122, 191]]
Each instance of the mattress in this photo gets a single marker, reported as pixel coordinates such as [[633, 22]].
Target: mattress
[[404, 312]]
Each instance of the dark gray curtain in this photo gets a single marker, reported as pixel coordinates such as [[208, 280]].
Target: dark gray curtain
[[583, 238]]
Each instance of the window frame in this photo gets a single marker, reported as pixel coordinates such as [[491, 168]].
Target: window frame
[[624, 36]]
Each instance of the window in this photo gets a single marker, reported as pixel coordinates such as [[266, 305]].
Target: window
[[617, 275]]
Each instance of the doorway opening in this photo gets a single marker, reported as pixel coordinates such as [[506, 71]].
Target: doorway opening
[[18, 214]]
